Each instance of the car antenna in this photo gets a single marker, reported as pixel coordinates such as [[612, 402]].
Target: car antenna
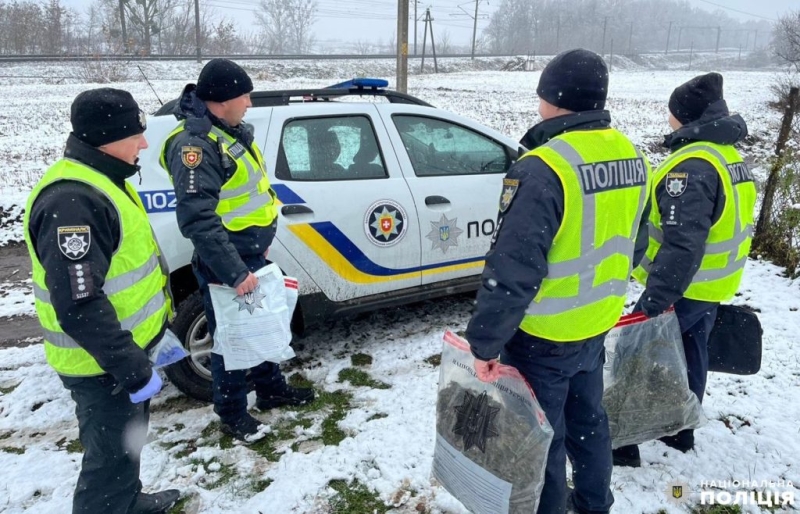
[[149, 84]]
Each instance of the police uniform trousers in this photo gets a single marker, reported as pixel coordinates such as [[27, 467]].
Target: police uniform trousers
[[230, 388], [112, 431], [567, 379], [696, 319]]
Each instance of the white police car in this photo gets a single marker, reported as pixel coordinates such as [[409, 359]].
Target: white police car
[[383, 202]]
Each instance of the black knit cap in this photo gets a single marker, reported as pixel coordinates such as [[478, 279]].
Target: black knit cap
[[690, 100], [102, 116], [576, 80], [221, 80]]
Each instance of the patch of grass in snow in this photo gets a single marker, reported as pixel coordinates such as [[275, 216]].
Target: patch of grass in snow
[[191, 447], [360, 378], [299, 380], [6, 435], [282, 431], [259, 485], [434, 360], [361, 359], [12, 449], [180, 507], [377, 415], [9, 389], [717, 509], [74, 446], [225, 474], [354, 497], [177, 404]]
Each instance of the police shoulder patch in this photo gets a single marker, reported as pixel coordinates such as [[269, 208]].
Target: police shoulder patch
[[74, 241], [510, 187], [191, 156], [676, 182]]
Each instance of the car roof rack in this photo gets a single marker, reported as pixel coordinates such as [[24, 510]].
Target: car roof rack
[[355, 87]]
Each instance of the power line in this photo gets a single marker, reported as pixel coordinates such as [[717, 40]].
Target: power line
[[737, 10]]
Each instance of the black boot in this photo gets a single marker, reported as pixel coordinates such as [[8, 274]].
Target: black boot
[[683, 441], [155, 503], [246, 429], [287, 395], [627, 456]]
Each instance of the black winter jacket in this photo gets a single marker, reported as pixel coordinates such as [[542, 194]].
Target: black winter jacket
[[517, 261], [90, 320], [216, 247], [696, 209]]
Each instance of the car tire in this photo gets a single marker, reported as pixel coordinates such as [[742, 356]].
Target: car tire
[[192, 375]]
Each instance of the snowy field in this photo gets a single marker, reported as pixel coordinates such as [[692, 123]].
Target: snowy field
[[367, 444]]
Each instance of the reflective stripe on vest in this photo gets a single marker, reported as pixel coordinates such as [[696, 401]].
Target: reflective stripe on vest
[[598, 273], [136, 283], [728, 243], [248, 203]]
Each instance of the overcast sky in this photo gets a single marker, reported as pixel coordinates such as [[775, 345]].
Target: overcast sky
[[374, 20]]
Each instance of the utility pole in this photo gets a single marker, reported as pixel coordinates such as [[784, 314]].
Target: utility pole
[[122, 25], [719, 33], [669, 33], [416, 22], [611, 61], [630, 40], [605, 24], [428, 22], [754, 40], [680, 33], [474, 29], [197, 28], [558, 33], [691, 54], [402, 46]]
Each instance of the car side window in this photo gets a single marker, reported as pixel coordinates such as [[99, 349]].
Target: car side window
[[437, 147], [333, 148]]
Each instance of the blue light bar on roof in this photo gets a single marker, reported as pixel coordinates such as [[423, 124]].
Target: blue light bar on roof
[[361, 83]]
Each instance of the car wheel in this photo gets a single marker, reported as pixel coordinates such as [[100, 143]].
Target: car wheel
[[192, 375]]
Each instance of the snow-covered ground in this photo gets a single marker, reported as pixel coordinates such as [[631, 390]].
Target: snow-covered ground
[[378, 437]]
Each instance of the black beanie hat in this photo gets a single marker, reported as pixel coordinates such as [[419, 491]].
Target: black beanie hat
[[102, 116], [576, 80], [221, 80], [690, 100]]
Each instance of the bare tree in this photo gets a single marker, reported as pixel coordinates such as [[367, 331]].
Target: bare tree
[[362, 47], [142, 16], [786, 39], [445, 43], [286, 25]]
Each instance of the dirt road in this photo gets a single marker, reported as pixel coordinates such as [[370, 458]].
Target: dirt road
[[15, 269]]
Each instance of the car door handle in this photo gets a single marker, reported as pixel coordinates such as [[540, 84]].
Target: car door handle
[[436, 200], [289, 210]]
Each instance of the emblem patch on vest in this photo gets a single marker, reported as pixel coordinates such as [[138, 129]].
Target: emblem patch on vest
[[510, 187], [74, 242], [676, 183], [191, 156]]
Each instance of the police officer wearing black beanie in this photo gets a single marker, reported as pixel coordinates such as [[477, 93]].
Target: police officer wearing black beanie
[[690, 200], [563, 359], [74, 231], [211, 145]]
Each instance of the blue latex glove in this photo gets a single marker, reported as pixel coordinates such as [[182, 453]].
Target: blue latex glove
[[149, 390]]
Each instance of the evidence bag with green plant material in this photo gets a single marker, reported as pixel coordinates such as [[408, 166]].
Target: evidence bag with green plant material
[[492, 439], [646, 388]]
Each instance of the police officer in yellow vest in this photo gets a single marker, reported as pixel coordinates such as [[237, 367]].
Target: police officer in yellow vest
[[101, 297], [572, 211], [226, 207], [700, 231]]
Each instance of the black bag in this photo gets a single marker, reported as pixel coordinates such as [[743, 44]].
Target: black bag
[[735, 343]]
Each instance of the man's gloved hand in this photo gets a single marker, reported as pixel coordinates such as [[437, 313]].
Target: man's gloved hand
[[149, 390], [487, 371]]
